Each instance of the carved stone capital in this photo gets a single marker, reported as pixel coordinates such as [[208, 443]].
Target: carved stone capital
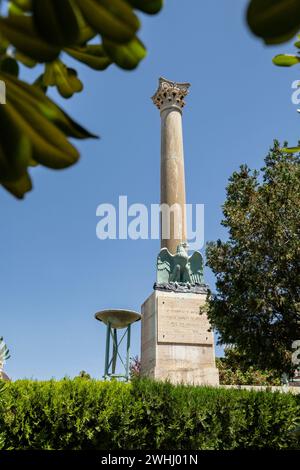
[[170, 94]]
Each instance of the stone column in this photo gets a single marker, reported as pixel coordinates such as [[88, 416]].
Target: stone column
[[169, 98], [177, 341]]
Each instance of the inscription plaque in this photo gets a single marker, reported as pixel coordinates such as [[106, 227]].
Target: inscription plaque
[[180, 322]]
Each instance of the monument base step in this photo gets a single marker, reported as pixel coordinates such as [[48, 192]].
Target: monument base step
[[208, 376]]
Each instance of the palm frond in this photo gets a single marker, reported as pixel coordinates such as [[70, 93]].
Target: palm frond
[[4, 353]]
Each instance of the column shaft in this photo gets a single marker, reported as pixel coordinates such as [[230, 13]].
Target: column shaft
[[172, 180], [169, 99]]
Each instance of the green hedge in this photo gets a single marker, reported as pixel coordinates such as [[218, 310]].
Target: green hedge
[[87, 414]]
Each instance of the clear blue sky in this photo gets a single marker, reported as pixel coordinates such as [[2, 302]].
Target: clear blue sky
[[55, 274]]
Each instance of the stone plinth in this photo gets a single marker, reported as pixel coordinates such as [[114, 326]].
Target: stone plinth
[[176, 342]]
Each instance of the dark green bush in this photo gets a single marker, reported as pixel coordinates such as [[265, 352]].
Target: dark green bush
[[251, 376], [87, 414], [236, 368]]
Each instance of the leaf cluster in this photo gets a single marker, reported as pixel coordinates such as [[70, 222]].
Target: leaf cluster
[[276, 21], [96, 33]]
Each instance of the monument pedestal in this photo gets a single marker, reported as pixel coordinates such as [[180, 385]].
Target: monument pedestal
[[176, 342]]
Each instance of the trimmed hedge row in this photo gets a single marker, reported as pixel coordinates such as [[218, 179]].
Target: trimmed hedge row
[[88, 414]]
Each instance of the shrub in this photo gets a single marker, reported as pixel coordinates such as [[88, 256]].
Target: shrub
[[87, 414], [250, 376], [135, 367], [2, 436], [235, 368]]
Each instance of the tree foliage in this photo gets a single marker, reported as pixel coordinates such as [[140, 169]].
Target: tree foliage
[[96, 33], [84, 375], [257, 301]]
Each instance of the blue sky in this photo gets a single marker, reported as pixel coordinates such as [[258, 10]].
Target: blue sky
[[54, 273]]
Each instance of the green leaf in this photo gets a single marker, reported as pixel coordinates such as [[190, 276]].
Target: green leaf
[[39, 83], [286, 60], [280, 39], [49, 74], [47, 107], [64, 78], [86, 33], [36, 131], [291, 149], [15, 149], [126, 56], [25, 60], [274, 20], [74, 82], [29, 93], [50, 146], [24, 5], [4, 43], [9, 65], [147, 6], [92, 55], [14, 9], [19, 187], [56, 21], [19, 30], [113, 19]]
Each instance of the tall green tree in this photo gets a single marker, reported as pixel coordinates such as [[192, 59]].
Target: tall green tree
[[257, 301], [96, 33]]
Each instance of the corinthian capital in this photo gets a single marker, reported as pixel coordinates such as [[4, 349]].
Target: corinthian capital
[[170, 94]]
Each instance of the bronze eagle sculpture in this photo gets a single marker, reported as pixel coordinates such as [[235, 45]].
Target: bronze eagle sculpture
[[179, 268]]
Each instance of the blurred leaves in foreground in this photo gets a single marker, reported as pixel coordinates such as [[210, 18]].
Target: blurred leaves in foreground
[[277, 21], [96, 33]]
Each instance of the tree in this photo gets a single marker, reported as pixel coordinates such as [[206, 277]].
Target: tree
[[257, 301], [84, 375], [46, 32]]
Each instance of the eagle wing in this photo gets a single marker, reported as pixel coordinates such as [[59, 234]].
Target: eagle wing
[[165, 263], [195, 265]]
